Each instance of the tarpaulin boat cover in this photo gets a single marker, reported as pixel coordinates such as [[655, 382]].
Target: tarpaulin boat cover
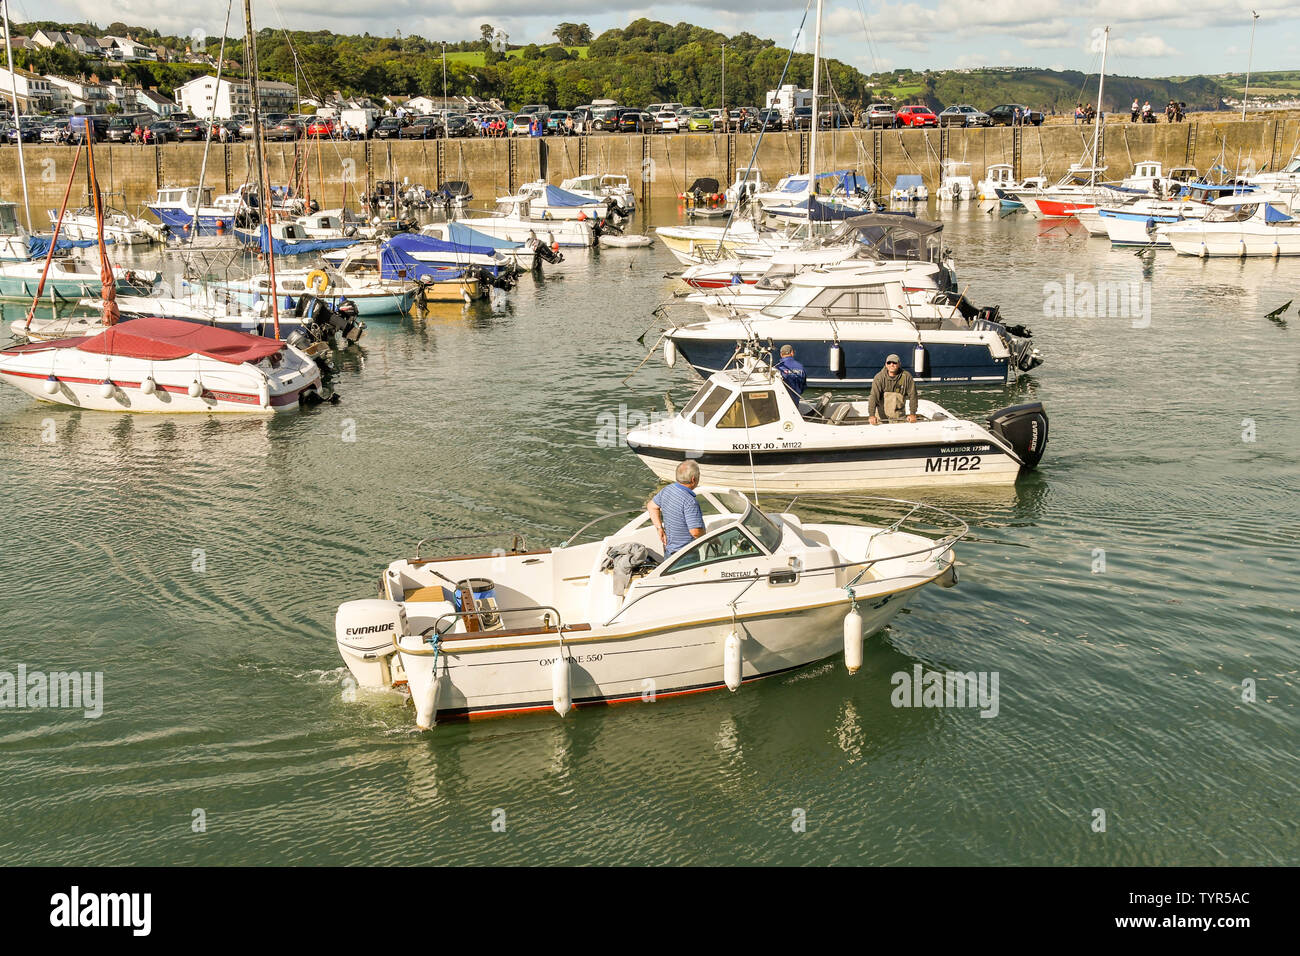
[[555, 196], [468, 236], [908, 182], [38, 247], [292, 247], [1273, 214], [847, 181], [164, 339], [397, 256]]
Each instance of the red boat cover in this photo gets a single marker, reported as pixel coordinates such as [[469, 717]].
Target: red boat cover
[[163, 339]]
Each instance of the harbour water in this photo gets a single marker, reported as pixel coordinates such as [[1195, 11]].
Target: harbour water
[[1136, 599]]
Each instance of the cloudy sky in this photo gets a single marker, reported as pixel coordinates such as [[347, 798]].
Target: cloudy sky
[[1148, 38]]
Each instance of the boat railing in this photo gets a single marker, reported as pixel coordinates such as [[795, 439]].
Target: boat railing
[[436, 633], [595, 521], [518, 542], [956, 529]]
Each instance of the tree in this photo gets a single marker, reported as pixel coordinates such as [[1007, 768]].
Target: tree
[[569, 34], [487, 30], [584, 35]]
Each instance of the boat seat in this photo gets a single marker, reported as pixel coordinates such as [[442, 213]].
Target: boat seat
[[839, 413], [434, 592]]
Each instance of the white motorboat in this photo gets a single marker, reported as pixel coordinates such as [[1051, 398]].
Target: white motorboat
[[692, 245], [909, 187], [351, 280], [164, 365], [955, 184], [1143, 222], [608, 188], [120, 228], [516, 221], [628, 241], [13, 237], [179, 207], [527, 631], [1251, 224], [552, 202], [1285, 180], [1078, 189], [69, 279], [997, 176], [525, 255], [747, 184], [744, 429], [843, 324]]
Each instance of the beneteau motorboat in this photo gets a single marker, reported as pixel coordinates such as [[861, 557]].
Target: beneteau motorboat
[[748, 182], [997, 175], [164, 365], [1253, 224], [909, 187], [1142, 222], [744, 429], [757, 594], [610, 189]]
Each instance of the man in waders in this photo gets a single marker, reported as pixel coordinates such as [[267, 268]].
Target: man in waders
[[892, 391]]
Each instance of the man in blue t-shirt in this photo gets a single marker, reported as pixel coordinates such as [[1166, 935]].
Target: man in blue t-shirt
[[675, 512], [792, 372]]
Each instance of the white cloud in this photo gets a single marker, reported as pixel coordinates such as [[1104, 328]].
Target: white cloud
[[1142, 46]]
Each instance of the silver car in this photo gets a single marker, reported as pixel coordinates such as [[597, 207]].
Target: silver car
[[964, 115]]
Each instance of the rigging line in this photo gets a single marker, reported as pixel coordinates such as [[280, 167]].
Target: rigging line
[[203, 167], [763, 130]]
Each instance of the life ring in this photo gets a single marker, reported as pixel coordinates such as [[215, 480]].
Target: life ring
[[318, 281]]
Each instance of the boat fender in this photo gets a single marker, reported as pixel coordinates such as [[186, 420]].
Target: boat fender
[[107, 388], [918, 360], [731, 661], [195, 389], [148, 386], [949, 577], [561, 691], [264, 393], [837, 359], [853, 640], [426, 704], [51, 385], [670, 353]]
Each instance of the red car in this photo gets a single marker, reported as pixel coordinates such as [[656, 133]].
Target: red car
[[915, 116], [321, 127]]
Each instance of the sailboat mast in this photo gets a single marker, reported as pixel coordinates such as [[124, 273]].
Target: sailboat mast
[[18, 126], [1101, 86], [816, 116], [263, 194]]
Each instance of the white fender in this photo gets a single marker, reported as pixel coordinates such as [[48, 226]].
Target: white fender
[[195, 389], [731, 661], [148, 386], [853, 640], [51, 385], [561, 692], [426, 704], [107, 388], [918, 360], [264, 393], [837, 358], [670, 353]]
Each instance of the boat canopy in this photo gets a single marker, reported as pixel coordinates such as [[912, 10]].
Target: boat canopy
[[162, 340], [892, 236], [705, 184], [456, 189], [555, 196], [847, 181], [290, 246], [908, 181], [397, 256], [467, 236]]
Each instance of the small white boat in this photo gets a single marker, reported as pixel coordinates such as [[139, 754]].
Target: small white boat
[[612, 189], [120, 228], [164, 365], [744, 429], [955, 184], [748, 183], [516, 220], [552, 202], [352, 281], [998, 175], [1251, 224], [909, 187], [69, 279], [630, 241], [13, 237], [527, 631]]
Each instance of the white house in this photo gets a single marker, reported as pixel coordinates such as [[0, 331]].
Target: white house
[[128, 49], [86, 46], [82, 96], [425, 105], [205, 98], [34, 91]]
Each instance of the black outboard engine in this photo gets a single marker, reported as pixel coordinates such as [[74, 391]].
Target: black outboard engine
[[1024, 428]]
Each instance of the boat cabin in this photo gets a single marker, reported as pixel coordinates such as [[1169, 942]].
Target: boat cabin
[[999, 174], [187, 197], [1271, 208]]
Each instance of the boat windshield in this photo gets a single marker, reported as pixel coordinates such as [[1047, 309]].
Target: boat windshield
[[754, 521], [1293, 166], [1231, 213]]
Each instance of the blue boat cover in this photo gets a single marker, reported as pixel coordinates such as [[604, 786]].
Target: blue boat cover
[[290, 247], [467, 236], [38, 247], [396, 260], [907, 182], [1273, 214], [409, 243], [555, 196], [847, 181], [795, 184]]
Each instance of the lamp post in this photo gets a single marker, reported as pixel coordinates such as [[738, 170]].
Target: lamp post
[[1246, 95], [444, 89], [724, 87]]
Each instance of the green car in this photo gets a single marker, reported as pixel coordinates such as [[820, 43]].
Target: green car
[[700, 122]]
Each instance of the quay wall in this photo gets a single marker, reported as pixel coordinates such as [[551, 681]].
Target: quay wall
[[659, 166]]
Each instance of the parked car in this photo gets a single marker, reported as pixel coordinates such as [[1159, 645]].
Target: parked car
[[52, 132], [555, 122], [963, 115], [191, 131], [878, 114], [286, 129], [836, 117], [390, 127], [582, 115], [30, 127], [700, 122], [605, 118], [635, 121], [771, 121], [801, 118], [915, 116], [317, 127], [163, 131], [667, 121], [424, 127], [1005, 115]]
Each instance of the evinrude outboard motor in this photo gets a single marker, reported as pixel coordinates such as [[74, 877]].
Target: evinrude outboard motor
[[365, 632], [1024, 428]]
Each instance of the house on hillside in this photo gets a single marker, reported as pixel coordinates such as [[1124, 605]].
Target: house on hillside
[[80, 96], [33, 90], [86, 46], [128, 50], [205, 98]]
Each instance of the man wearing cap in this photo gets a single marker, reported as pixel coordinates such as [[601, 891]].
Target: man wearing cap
[[792, 372], [892, 390]]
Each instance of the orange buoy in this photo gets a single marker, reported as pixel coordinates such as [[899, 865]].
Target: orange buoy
[[555, 245]]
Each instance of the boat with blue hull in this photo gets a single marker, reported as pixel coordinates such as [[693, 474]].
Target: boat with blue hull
[[178, 208]]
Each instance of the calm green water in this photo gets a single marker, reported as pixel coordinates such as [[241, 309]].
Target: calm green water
[[1120, 690]]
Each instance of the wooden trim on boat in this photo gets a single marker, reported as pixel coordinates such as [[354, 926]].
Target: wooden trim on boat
[[416, 562], [513, 632]]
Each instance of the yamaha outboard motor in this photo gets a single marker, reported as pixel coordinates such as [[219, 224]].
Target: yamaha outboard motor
[[1024, 428]]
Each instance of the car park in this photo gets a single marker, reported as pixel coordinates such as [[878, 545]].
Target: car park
[[963, 115], [878, 115], [1005, 115], [915, 116]]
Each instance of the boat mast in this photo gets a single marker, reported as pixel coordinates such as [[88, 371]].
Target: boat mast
[[816, 118], [1101, 85], [18, 126], [263, 194]]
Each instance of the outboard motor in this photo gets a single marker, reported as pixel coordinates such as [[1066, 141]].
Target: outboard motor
[[1024, 428], [365, 632]]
